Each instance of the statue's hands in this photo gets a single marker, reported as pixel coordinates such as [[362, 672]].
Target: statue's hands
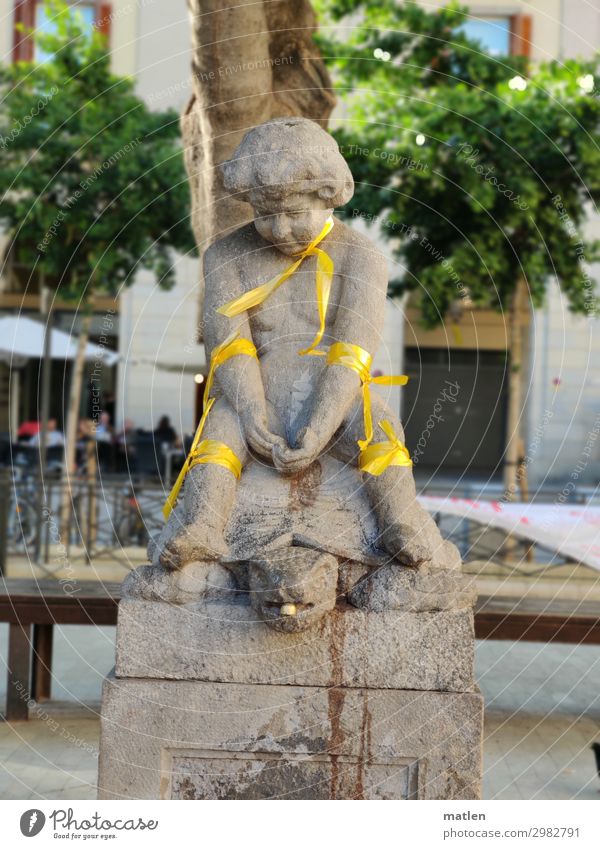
[[259, 437], [291, 460]]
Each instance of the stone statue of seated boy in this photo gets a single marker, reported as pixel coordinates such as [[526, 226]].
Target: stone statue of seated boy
[[293, 175]]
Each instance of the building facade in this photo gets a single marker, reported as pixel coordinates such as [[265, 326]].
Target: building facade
[[561, 382], [156, 333]]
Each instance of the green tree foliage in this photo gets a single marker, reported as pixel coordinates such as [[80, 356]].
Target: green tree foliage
[[92, 183], [479, 169]]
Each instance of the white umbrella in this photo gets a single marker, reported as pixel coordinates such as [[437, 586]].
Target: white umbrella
[[22, 339]]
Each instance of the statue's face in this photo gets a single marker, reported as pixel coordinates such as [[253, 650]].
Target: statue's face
[[297, 222]]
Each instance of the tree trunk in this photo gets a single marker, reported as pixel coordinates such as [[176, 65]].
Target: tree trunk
[[92, 474], [514, 441], [47, 315], [73, 416], [252, 61]]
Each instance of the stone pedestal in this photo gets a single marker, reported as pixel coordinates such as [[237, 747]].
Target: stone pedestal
[[208, 702]]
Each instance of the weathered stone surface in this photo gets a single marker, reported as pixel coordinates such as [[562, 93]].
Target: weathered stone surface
[[326, 509], [196, 580], [189, 739], [390, 588], [308, 579], [225, 641]]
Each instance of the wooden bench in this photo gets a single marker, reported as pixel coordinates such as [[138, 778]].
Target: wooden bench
[[537, 620], [32, 608]]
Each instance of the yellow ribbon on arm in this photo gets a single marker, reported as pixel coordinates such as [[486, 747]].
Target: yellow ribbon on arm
[[211, 451], [324, 276], [231, 347], [376, 458], [356, 358]]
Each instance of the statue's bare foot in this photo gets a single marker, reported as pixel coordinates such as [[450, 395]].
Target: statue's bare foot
[[190, 543], [405, 544]]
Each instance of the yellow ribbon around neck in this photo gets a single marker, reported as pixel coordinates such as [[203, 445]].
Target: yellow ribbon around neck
[[359, 360], [324, 276], [210, 451], [377, 457]]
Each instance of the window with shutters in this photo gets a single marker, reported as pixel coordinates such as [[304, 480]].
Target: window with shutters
[[500, 34], [32, 14]]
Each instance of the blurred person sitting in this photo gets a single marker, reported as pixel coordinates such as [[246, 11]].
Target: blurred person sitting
[[126, 435], [165, 433], [105, 447], [103, 431], [125, 441], [54, 436]]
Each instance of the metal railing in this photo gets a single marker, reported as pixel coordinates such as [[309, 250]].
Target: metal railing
[[50, 520]]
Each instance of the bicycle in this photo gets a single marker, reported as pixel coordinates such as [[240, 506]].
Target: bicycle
[[21, 518]]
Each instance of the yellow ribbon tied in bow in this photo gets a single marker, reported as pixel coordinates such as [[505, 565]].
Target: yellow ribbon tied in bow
[[377, 457], [209, 450], [386, 453], [324, 276]]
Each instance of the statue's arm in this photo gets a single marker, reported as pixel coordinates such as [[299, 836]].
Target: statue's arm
[[359, 321], [239, 377]]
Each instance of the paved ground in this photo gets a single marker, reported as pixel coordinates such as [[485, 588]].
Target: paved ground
[[527, 756], [543, 712]]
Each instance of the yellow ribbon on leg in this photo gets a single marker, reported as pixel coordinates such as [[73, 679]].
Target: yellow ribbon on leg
[[324, 277], [376, 458], [231, 347], [173, 495], [356, 358]]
